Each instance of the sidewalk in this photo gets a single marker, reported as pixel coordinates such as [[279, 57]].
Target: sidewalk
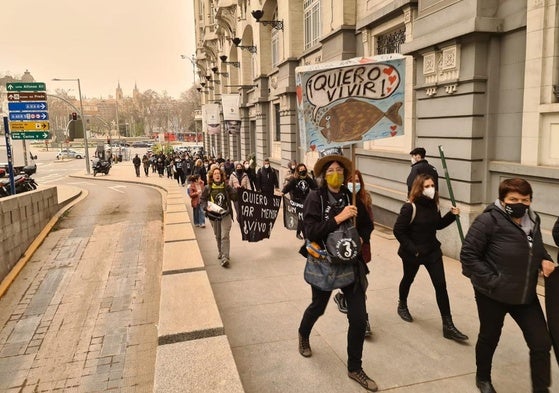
[[259, 301]]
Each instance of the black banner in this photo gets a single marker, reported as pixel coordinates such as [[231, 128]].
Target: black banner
[[258, 214], [292, 213]]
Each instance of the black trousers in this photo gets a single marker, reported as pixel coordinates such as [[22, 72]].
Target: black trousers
[[356, 315], [552, 309], [530, 319], [436, 272]]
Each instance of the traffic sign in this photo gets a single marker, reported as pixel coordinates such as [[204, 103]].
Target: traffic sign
[[27, 96], [26, 86], [27, 106], [29, 126], [29, 116], [30, 135]]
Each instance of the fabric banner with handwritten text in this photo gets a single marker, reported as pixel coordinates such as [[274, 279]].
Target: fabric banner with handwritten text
[[258, 213], [348, 101], [292, 213]]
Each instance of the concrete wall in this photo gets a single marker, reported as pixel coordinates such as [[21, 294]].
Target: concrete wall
[[22, 217]]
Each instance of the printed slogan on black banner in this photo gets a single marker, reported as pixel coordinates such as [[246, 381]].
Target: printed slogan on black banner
[[292, 213], [258, 214]]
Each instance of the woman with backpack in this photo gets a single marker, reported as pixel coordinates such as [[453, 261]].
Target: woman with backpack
[[416, 228]]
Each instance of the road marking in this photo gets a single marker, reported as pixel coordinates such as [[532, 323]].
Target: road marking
[[82, 182], [114, 188]]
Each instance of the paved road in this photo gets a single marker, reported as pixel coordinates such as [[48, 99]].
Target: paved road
[[82, 314]]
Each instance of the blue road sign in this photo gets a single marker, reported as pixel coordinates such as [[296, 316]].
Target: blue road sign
[[27, 106], [29, 116]]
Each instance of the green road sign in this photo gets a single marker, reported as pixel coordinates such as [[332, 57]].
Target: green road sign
[[30, 135], [25, 86]]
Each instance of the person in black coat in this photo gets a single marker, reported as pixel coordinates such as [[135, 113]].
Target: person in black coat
[[266, 179], [416, 228], [298, 188], [420, 165], [502, 254], [321, 218], [552, 299]]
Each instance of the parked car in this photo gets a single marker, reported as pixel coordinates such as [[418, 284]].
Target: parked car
[[68, 153], [141, 144]]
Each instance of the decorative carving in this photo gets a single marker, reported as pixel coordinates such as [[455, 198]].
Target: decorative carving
[[431, 91], [451, 89], [449, 58], [274, 82], [442, 67], [429, 63]]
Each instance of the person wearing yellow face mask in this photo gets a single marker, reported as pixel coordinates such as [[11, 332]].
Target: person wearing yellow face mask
[[324, 210]]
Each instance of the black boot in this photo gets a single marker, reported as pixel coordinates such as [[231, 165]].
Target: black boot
[[368, 330], [403, 311], [485, 386], [450, 331]]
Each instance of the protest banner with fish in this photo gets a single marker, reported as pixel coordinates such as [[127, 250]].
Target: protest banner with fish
[[360, 99]]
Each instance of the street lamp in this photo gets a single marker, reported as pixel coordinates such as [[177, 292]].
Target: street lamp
[[88, 170], [193, 62]]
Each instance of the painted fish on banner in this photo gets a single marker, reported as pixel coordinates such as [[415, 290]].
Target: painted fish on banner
[[354, 100]]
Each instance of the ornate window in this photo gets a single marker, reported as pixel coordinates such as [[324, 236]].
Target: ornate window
[[390, 42], [311, 15]]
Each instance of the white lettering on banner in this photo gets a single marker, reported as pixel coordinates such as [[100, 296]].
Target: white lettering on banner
[[268, 213], [258, 213]]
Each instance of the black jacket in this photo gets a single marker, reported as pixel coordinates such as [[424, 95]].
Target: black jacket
[[418, 240], [266, 180], [497, 257], [555, 233], [319, 223], [298, 188], [422, 166]]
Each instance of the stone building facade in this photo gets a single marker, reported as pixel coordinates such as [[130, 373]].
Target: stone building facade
[[482, 81]]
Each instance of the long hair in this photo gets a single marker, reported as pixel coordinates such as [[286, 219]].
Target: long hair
[[363, 195], [322, 175], [417, 188], [299, 168]]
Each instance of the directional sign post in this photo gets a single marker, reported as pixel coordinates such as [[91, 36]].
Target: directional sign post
[[29, 125], [28, 110], [29, 116], [26, 86], [27, 96], [31, 135]]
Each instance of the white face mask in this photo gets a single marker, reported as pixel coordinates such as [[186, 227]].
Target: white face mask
[[429, 192], [413, 160], [266, 166], [357, 187]]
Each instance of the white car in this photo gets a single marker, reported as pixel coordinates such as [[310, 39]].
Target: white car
[[68, 153]]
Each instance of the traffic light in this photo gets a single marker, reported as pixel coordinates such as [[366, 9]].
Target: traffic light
[[74, 116]]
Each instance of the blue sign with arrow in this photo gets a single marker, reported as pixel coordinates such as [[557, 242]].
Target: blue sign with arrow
[[27, 106], [29, 116]]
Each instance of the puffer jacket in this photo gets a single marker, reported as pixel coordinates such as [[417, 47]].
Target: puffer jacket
[[418, 239], [497, 257]]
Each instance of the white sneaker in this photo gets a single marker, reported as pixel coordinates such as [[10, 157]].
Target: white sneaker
[[225, 262]]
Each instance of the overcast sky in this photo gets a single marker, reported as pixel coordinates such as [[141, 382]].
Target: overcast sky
[[101, 42]]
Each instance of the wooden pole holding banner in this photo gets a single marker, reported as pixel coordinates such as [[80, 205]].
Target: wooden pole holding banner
[[450, 192], [353, 194]]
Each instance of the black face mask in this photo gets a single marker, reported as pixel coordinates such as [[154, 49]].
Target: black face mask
[[516, 210], [303, 173], [239, 171]]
